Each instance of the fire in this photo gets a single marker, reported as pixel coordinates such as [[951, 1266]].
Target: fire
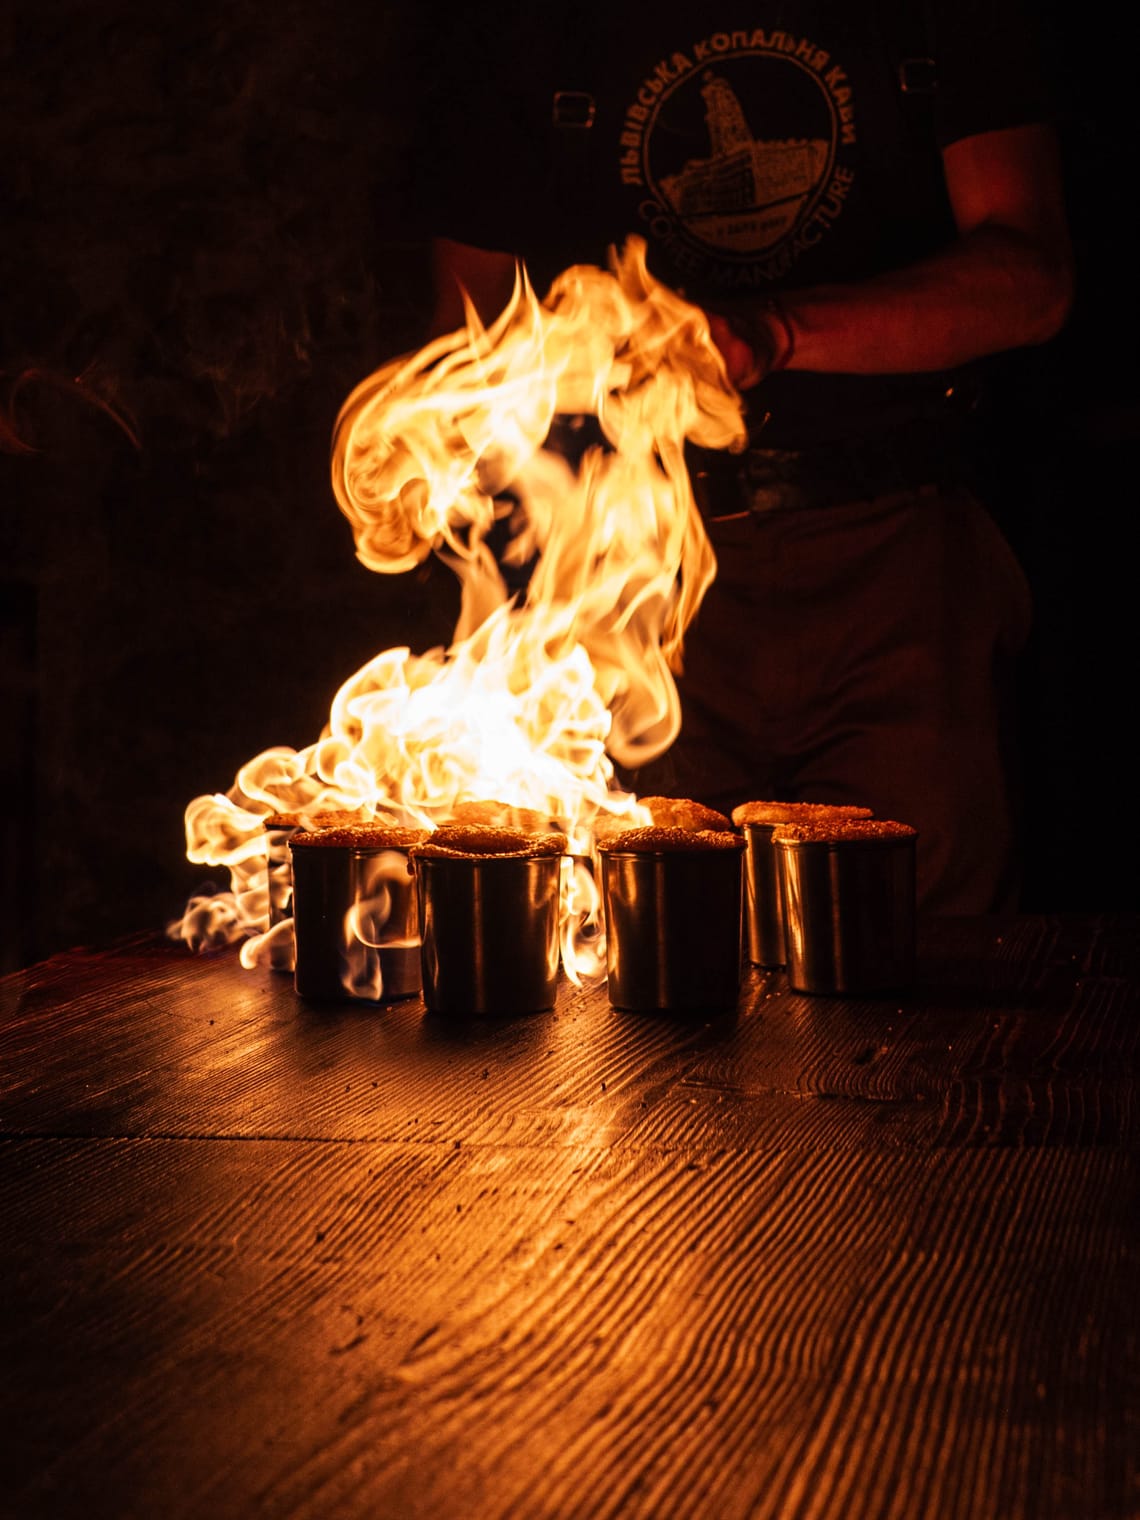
[[540, 693]]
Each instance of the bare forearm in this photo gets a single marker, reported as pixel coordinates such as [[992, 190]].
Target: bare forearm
[[992, 290], [1004, 282]]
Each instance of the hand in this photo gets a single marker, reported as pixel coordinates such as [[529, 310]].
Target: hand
[[754, 338]]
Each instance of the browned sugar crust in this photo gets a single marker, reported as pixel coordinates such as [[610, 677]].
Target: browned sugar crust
[[474, 841], [501, 815], [684, 813], [339, 818], [837, 830], [358, 836], [323, 820], [795, 812], [653, 839]]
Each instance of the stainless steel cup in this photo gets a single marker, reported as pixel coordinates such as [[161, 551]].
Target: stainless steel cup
[[764, 892], [763, 868], [674, 934], [850, 906], [489, 931], [354, 921]]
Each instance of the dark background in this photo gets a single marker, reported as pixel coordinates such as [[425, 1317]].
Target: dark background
[[206, 220]]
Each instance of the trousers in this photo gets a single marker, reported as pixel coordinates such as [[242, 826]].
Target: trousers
[[865, 652]]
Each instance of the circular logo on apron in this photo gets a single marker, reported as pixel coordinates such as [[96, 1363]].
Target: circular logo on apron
[[733, 146]]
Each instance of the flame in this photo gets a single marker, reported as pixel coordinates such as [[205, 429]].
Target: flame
[[539, 693], [372, 925]]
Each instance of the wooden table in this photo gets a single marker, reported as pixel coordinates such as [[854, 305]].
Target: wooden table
[[818, 1258]]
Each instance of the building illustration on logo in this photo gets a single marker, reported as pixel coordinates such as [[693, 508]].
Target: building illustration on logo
[[749, 193]]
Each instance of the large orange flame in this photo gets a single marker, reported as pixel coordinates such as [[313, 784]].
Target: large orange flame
[[539, 694]]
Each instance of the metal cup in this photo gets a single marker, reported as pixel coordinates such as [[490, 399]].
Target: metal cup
[[850, 913], [673, 927], [489, 932], [764, 892], [354, 920], [763, 869]]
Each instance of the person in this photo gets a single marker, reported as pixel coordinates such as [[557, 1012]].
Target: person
[[866, 201]]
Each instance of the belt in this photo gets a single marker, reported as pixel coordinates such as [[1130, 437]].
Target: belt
[[826, 474]]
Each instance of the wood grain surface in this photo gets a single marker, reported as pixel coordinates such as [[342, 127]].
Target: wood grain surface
[[819, 1257]]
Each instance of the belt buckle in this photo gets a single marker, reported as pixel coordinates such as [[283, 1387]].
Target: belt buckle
[[773, 484], [774, 498]]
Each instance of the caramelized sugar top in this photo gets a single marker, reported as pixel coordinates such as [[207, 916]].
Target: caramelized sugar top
[[475, 841], [359, 836], [794, 812], [836, 830], [653, 839]]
